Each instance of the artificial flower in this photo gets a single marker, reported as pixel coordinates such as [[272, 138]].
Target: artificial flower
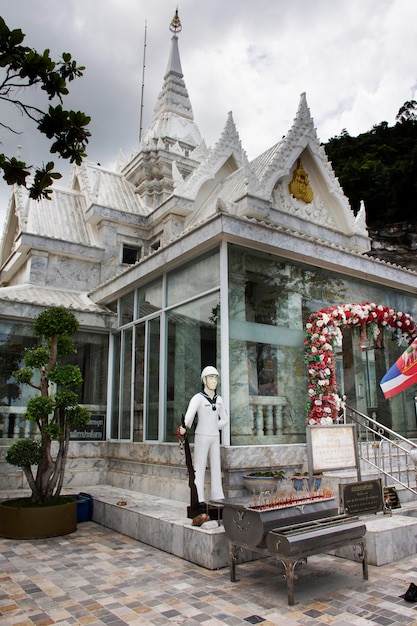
[[323, 334]]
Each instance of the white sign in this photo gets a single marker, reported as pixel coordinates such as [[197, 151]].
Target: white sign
[[331, 447]]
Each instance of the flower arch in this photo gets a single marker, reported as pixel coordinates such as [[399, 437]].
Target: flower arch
[[323, 334]]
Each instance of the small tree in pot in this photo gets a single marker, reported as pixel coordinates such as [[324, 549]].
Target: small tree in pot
[[55, 409]]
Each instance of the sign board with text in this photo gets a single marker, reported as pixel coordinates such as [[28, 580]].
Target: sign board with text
[[93, 431], [365, 496], [332, 447]]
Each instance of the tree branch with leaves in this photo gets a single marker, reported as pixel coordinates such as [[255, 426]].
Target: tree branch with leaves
[[23, 68]]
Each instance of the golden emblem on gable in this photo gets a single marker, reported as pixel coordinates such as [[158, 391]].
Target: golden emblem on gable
[[299, 186]]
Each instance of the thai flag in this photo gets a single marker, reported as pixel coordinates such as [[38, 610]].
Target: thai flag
[[402, 374]]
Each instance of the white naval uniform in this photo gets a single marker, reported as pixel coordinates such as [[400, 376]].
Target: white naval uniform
[[207, 441]]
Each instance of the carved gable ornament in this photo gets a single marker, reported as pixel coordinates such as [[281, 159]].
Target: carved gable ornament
[[299, 186]]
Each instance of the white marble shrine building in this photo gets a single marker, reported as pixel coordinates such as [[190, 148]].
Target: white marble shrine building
[[188, 256]]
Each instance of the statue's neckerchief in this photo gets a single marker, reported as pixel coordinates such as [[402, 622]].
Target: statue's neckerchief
[[211, 400]]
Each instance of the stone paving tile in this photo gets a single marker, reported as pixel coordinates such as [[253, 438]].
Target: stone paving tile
[[96, 577]]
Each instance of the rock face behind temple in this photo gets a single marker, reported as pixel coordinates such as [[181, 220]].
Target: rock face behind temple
[[396, 243]]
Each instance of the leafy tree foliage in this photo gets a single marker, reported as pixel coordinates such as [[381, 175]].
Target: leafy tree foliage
[[407, 112], [23, 68], [55, 409], [380, 168]]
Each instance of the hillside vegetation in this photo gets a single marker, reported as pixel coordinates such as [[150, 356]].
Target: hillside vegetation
[[380, 168]]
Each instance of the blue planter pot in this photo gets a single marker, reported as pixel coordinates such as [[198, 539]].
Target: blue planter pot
[[315, 482], [300, 483]]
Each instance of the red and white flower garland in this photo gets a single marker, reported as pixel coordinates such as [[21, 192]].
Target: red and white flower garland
[[323, 334]]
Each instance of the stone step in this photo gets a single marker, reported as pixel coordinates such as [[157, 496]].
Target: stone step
[[336, 478], [389, 538], [164, 525], [160, 523]]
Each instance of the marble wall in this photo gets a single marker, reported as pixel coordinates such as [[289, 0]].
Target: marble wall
[[159, 469]]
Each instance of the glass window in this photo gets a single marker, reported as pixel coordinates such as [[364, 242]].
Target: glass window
[[139, 382], [122, 385], [270, 300], [126, 384], [127, 303], [152, 392], [115, 398], [141, 412], [197, 277], [193, 343], [91, 356], [15, 337], [267, 376], [262, 365], [144, 409], [150, 298]]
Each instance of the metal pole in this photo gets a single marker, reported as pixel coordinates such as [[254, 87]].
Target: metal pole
[[143, 85]]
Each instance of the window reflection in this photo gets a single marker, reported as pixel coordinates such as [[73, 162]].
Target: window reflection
[[91, 356], [192, 279], [193, 331]]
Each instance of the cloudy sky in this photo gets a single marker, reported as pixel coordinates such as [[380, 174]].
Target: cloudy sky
[[355, 59]]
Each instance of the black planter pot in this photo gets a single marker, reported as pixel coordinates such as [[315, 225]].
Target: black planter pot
[[22, 522]]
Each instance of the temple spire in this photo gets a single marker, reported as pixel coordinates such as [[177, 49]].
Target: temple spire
[[173, 115], [171, 148], [174, 62]]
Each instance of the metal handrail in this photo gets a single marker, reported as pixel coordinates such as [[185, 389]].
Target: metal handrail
[[392, 463]]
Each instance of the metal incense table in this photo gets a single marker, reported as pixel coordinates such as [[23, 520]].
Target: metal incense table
[[291, 533]]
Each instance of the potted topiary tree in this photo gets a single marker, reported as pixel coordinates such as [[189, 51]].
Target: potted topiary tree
[[54, 409]]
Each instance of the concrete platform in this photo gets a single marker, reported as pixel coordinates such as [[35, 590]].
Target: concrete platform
[[164, 524], [391, 538], [160, 523]]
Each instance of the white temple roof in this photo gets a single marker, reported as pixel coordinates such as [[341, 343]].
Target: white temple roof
[[173, 184], [107, 188], [61, 217], [44, 296]]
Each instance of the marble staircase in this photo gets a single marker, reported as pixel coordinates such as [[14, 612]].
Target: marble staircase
[[384, 453], [399, 473]]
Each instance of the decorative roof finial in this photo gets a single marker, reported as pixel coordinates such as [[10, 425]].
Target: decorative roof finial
[[175, 26]]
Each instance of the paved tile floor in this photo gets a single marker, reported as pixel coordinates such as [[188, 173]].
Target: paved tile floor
[[97, 576]]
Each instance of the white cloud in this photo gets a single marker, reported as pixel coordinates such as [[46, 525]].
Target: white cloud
[[355, 60]]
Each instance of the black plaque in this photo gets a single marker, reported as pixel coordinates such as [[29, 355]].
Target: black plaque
[[93, 431], [365, 496]]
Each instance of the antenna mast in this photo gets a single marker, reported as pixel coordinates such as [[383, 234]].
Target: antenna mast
[[143, 85]]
